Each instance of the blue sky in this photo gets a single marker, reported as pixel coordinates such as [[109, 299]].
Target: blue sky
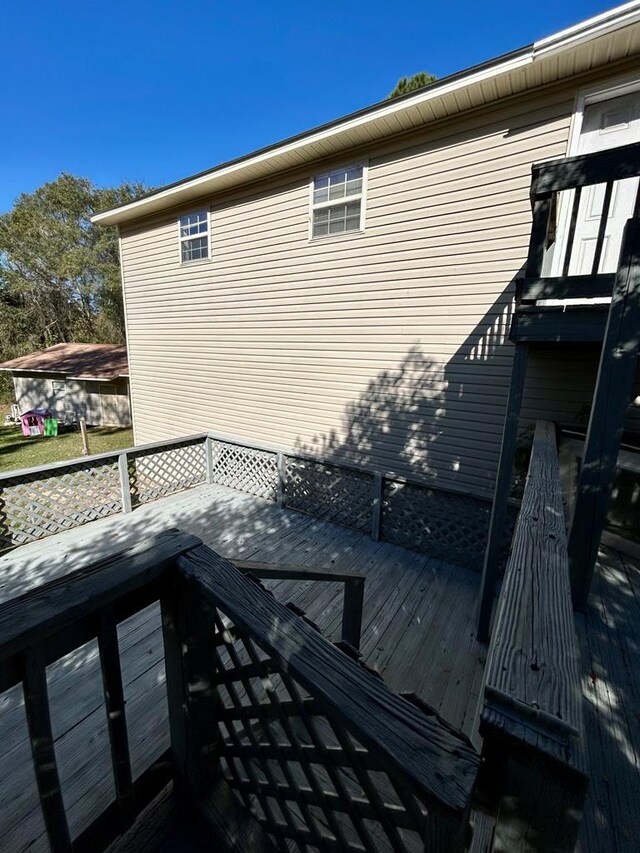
[[155, 91]]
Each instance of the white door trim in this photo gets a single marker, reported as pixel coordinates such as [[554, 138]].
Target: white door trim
[[602, 91]]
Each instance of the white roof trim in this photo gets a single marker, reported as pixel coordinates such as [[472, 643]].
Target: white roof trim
[[606, 22], [594, 27]]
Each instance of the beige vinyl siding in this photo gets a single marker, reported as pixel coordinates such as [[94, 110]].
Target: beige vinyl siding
[[387, 347], [560, 386]]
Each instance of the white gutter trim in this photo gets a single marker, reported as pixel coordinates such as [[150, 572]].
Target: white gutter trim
[[113, 216], [606, 22], [599, 25]]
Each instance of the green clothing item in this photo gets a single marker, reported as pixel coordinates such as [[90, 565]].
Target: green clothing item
[[50, 426]]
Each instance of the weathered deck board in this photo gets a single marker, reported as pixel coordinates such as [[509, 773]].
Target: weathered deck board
[[417, 630], [403, 594], [609, 636]]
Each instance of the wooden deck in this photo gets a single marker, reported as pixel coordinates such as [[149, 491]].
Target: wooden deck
[[418, 631]]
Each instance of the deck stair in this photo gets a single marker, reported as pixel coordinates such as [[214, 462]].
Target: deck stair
[[268, 720]]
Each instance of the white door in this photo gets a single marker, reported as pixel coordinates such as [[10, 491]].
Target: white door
[[606, 124], [109, 405], [62, 404]]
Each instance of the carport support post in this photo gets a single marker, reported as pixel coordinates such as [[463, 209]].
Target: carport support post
[[614, 387], [498, 518]]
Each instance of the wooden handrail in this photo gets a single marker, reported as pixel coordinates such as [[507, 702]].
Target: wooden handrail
[[613, 164], [108, 456], [207, 604], [353, 602], [420, 748], [531, 717], [538, 666], [47, 623], [45, 613]]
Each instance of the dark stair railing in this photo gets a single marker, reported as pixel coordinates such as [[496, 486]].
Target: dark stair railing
[[616, 325], [571, 175], [278, 737]]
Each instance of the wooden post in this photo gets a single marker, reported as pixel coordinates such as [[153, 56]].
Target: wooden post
[[614, 387], [113, 692], [376, 506], [125, 488], [36, 702], [352, 611], [541, 205], [281, 473], [208, 455], [5, 531], [498, 518], [188, 628], [85, 437]]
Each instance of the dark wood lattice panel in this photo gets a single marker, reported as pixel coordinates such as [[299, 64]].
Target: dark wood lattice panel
[[444, 524], [331, 492], [309, 783], [155, 474], [246, 469], [43, 503]]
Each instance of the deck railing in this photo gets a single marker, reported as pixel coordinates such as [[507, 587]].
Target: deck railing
[[445, 523], [558, 198], [315, 748], [531, 719]]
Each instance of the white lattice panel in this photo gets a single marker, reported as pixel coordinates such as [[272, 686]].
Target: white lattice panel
[[41, 504], [156, 473], [447, 525], [246, 469], [331, 492]]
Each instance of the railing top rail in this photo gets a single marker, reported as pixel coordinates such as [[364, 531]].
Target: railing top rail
[[566, 173], [426, 482], [99, 457], [294, 572], [40, 613], [112, 455], [440, 762], [532, 676]]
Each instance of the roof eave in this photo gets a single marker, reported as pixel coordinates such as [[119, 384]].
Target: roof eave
[[205, 182]]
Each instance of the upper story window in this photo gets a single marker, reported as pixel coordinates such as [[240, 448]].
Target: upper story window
[[194, 236], [337, 204]]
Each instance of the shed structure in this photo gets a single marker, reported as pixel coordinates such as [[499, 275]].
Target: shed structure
[[74, 381]]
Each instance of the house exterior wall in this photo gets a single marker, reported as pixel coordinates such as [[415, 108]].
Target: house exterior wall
[[80, 398], [386, 348]]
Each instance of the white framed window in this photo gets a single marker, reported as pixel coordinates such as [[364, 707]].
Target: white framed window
[[337, 202], [194, 236]]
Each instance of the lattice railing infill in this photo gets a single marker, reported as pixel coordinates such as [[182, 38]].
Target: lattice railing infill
[[329, 491], [445, 524], [247, 469], [156, 473], [309, 782], [40, 504]]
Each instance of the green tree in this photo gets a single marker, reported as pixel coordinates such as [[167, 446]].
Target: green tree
[[60, 274], [410, 84]]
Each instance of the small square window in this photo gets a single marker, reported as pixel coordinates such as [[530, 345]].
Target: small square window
[[337, 202], [194, 236]]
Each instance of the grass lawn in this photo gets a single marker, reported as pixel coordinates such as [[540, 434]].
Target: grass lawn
[[19, 451]]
